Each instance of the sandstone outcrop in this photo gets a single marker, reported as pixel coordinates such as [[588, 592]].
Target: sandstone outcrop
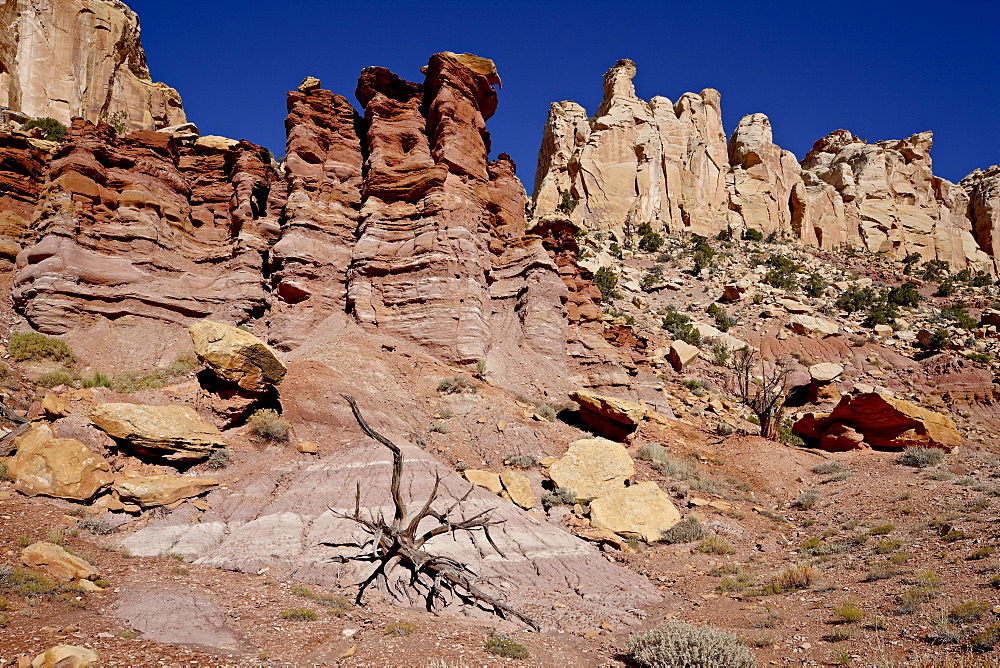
[[143, 226], [519, 489], [80, 58], [65, 656], [669, 166], [59, 467], [22, 168], [879, 421], [175, 433], [161, 490], [592, 468], [641, 511]]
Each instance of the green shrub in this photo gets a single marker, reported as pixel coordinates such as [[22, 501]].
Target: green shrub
[[184, 364], [501, 645], [880, 313], [919, 457], [721, 354], [881, 530], [935, 270], [650, 242], [53, 129], [715, 545], [905, 295], [4, 472], [986, 640], [686, 531], [815, 285], [26, 346], [130, 381], [338, 604], [558, 497], [724, 234], [299, 615], [521, 461], [94, 525], [267, 425], [605, 279], [26, 583], [849, 611], [750, 234], [456, 385], [54, 378], [652, 278], [957, 314], [855, 298], [796, 577], [677, 643], [680, 327], [946, 288], [722, 319], [567, 202], [909, 261], [967, 612]]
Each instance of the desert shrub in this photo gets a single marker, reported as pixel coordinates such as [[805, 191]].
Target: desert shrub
[[946, 288], [54, 378], [338, 604], [219, 459], [715, 545], [785, 434], [935, 270], [940, 340], [751, 234], [981, 553], [24, 346], [652, 277], [521, 461], [457, 384], [723, 321], [680, 327], [267, 425], [725, 234], [967, 612], [299, 615], [558, 497], [856, 298], [118, 120], [905, 295], [650, 242], [653, 452], [130, 381], [4, 472], [814, 286], [919, 457], [400, 629], [567, 202], [97, 380], [605, 279], [806, 500], [828, 467], [721, 353], [546, 412], [909, 262], [849, 611], [880, 313], [26, 583], [675, 468], [987, 639], [960, 316], [53, 129], [184, 363], [440, 428], [501, 645], [887, 546], [301, 590], [94, 525], [677, 643], [686, 531]]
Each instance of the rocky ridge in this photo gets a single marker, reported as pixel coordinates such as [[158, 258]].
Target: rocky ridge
[[668, 165]]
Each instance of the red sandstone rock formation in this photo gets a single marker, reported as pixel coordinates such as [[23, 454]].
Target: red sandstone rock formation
[[22, 166]]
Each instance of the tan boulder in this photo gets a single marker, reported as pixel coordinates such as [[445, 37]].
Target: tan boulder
[[487, 479], [237, 355], [793, 306], [57, 563], [825, 372], [216, 142], [65, 656], [612, 417], [519, 489], [639, 511], [681, 354], [161, 490], [59, 467], [592, 468], [54, 407], [175, 433], [808, 325], [308, 447]]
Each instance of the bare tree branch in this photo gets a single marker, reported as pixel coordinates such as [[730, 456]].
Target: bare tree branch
[[396, 543]]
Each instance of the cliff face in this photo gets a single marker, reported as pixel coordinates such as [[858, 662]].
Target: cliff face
[[668, 165], [80, 58]]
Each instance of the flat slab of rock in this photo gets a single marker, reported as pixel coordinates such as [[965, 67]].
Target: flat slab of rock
[[638, 511], [487, 479], [179, 617], [175, 433], [592, 468], [610, 417], [237, 355], [57, 563], [162, 489], [808, 325], [519, 489], [825, 372], [681, 354], [793, 306], [60, 467]]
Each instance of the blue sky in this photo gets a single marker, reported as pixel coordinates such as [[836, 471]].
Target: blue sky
[[884, 70]]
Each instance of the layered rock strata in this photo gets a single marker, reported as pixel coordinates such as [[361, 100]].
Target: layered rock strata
[[668, 165], [144, 225], [80, 58]]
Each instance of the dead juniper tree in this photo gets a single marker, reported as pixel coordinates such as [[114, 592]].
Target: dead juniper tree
[[765, 397], [400, 543]]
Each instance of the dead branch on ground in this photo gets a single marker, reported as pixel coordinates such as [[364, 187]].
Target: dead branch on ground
[[398, 543]]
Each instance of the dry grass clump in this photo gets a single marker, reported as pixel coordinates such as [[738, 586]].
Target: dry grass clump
[[715, 545], [400, 629], [58, 377], [849, 611], [967, 612], [687, 531], [919, 457], [501, 645], [456, 385], [807, 500], [267, 426], [828, 467], [653, 452], [299, 615], [677, 643], [558, 497]]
